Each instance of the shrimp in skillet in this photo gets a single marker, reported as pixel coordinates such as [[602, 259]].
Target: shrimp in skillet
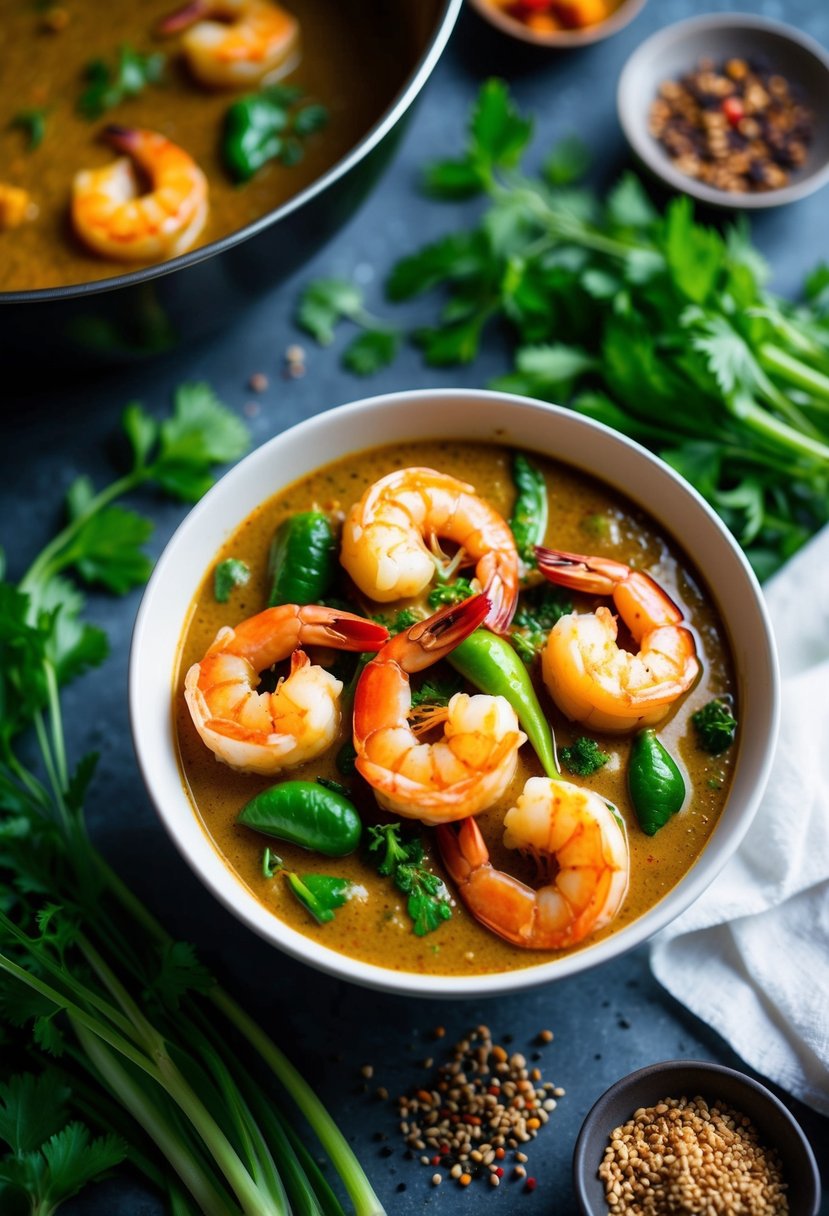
[[383, 545], [116, 217], [233, 44], [592, 679], [582, 855], [268, 731], [470, 766]]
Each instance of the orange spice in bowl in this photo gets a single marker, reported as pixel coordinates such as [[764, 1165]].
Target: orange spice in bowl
[[558, 23]]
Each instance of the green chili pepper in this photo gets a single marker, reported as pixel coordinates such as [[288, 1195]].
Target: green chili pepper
[[303, 559], [491, 664], [306, 814], [529, 515], [657, 787], [320, 894]]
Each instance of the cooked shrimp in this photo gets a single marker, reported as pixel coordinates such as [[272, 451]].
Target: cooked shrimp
[[384, 552], [113, 214], [268, 731], [592, 679], [245, 41], [581, 851], [470, 766]]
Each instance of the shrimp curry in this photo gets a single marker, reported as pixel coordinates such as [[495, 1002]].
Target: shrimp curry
[[128, 141], [390, 694]]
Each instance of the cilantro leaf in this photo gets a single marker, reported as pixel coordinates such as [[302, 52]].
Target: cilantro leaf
[[456, 258], [230, 573], [33, 123], [455, 179], [628, 206], [324, 303], [107, 549], [371, 350], [71, 645], [436, 692], [108, 86], [568, 162], [141, 430], [695, 255], [428, 900], [499, 133], [202, 432], [385, 838], [450, 593], [178, 972], [32, 1108]]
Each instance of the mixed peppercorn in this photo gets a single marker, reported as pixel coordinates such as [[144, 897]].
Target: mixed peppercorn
[[739, 127]]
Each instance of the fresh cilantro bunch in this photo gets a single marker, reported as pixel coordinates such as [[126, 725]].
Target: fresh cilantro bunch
[[128, 1031], [645, 320], [427, 898]]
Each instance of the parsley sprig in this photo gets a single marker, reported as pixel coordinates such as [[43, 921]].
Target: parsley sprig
[[327, 302], [139, 1051], [654, 324], [427, 900]]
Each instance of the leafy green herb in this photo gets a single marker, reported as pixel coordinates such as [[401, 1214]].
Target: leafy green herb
[[436, 692], [567, 163], [108, 85], [33, 123], [325, 303], [715, 725], [644, 320], [403, 619], [584, 757], [269, 125], [230, 573], [427, 898], [319, 894], [538, 611], [127, 1027], [449, 593]]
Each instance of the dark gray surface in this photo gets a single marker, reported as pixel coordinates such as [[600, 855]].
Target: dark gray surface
[[608, 1021]]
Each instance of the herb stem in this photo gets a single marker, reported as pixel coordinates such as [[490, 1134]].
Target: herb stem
[[156, 1124], [795, 371]]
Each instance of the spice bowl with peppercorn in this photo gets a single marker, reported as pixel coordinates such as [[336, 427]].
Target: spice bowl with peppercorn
[[692, 1136], [732, 109]]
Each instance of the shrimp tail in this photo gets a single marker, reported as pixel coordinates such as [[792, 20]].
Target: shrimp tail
[[427, 641], [596, 575], [462, 849], [352, 633], [184, 17]]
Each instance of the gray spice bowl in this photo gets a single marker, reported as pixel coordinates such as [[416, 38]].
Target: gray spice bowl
[[675, 50], [776, 1127]]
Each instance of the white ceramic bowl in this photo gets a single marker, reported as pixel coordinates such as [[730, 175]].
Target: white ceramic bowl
[[438, 414]]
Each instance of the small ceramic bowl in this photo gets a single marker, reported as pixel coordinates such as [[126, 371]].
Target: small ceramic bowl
[[673, 51], [477, 416], [776, 1127], [621, 16]]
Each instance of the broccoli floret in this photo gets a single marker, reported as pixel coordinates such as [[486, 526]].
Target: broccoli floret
[[584, 757], [715, 725]]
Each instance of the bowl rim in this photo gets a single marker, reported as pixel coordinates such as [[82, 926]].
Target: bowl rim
[[761, 1095], [445, 21], [645, 147], [211, 867], [621, 16]]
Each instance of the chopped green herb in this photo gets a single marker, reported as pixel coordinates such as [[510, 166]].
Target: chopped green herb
[[33, 123], [108, 86], [584, 757], [403, 619], [325, 303], [450, 593], [230, 573], [538, 610], [328, 784], [436, 692], [269, 125], [715, 725], [427, 898], [320, 894], [371, 350]]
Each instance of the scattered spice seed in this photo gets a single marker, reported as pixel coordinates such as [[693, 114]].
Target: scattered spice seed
[[738, 127], [479, 1106], [437, 1179], [439, 1032], [368, 1071], [687, 1156], [382, 1093], [545, 1036], [295, 361]]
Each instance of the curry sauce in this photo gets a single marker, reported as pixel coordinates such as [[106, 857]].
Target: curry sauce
[[585, 516]]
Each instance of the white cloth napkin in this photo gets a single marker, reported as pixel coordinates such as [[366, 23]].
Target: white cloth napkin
[[751, 956]]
